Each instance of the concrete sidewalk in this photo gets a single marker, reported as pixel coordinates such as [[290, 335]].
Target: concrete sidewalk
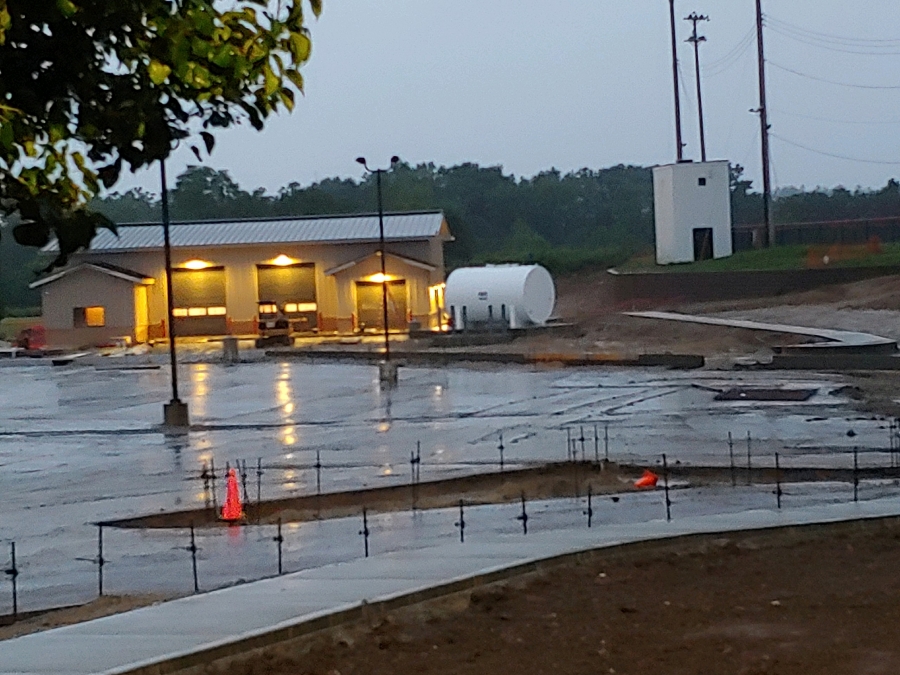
[[186, 632]]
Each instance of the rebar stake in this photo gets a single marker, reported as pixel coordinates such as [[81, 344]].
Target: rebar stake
[[212, 480], [500, 448], [596, 446], [590, 510], [364, 533], [581, 439], [568, 444], [778, 491], [524, 516], [259, 474], [101, 561], [242, 465], [318, 473], [13, 573], [606, 442], [193, 549], [749, 462], [731, 460], [461, 523], [666, 487], [855, 475], [279, 540]]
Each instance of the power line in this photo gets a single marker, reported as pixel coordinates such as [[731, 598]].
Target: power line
[[835, 47], [827, 81], [835, 155], [726, 62], [831, 119], [836, 39]]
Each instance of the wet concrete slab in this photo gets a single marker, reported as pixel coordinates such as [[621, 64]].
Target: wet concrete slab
[[79, 446]]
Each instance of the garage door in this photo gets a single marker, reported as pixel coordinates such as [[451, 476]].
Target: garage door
[[199, 298], [369, 306], [293, 289]]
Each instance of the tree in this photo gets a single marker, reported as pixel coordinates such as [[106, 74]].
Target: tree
[[89, 86]]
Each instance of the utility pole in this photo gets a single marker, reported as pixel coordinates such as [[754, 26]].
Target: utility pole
[[679, 143], [764, 129], [696, 40]]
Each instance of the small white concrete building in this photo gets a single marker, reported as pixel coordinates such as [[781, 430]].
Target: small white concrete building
[[692, 203]]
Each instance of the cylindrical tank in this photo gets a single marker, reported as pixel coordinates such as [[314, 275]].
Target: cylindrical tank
[[517, 295]]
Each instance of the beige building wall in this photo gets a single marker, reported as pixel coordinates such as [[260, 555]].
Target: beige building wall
[[335, 293], [88, 288]]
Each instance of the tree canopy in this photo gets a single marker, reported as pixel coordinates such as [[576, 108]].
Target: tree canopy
[[90, 86]]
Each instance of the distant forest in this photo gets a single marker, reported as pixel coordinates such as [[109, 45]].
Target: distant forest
[[587, 218]]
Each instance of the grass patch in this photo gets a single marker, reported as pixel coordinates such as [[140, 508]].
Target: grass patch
[[779, 258]]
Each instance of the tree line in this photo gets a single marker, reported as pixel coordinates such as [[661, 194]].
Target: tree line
[[585, 218]]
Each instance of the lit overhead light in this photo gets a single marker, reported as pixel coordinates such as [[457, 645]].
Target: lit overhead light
[[196, 265], [283, 260], [378, 278]]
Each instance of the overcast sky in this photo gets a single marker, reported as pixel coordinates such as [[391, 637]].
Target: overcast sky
[[582, 83]]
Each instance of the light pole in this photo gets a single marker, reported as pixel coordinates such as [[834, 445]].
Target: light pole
[[696, 40], [175, 412], [388, 373]]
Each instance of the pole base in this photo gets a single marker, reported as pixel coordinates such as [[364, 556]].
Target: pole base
[[387, 374], [175, 414]]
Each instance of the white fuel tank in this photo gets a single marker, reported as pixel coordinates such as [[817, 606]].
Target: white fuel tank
[[519, 295]]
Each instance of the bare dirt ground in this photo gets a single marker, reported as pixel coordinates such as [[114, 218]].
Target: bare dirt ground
[[105, 606], [823, 600]]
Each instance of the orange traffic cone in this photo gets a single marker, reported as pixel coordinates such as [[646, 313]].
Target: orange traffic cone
[[648, 480], [232, 511]]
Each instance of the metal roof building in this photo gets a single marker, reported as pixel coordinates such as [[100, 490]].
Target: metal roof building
[[323, 273], [417, 226]]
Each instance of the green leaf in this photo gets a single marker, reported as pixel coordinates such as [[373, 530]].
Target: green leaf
[[7, 135], [273, 83], [287, 97], [159, 72], [300, 47], [295, 77], [67, 7]]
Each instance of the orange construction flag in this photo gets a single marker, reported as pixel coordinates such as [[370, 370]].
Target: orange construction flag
[[648, 480]]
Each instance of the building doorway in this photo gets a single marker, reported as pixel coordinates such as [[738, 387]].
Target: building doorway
[[199, 299], [292, 289], [703, 243], [369, 306]]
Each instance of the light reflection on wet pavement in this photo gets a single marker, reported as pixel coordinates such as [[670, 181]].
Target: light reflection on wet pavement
[[80, 445]]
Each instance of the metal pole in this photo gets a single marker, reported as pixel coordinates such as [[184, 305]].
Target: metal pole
[[855, 475], [596, 446], [170, 300], [384, 283], [666, 487], [242, 465], [581, 439], [696, 40], [461, 523], [679, 143], [500, 447], [318, 473], [764, 129], [568, 444]]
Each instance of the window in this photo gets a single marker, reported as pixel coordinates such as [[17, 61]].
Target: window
[[89, 317], [701, 182]]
